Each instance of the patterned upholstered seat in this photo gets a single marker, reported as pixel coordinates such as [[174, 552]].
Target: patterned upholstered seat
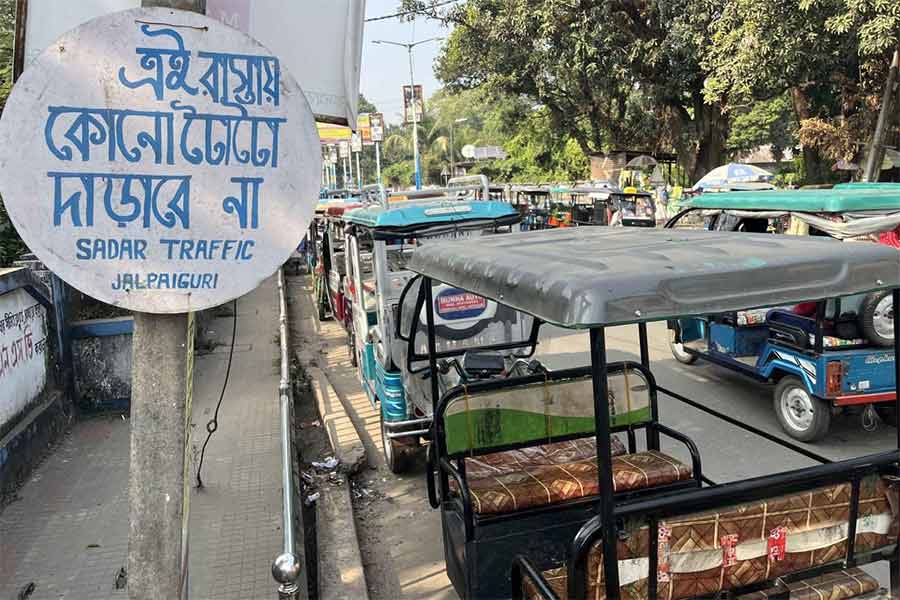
[[514, 480], [709, 552], [840, 585]]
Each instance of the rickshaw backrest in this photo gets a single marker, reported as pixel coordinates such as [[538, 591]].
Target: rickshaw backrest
[[746, 544], [483, 417]]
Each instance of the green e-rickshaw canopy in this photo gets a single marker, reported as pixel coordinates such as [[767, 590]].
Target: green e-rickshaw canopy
[[842, 198], [585, 277]]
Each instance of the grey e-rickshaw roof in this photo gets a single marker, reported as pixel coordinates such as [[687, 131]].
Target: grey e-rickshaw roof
[[593, 276]]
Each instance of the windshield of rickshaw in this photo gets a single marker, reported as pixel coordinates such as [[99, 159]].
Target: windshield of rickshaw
[[596, 276], [639, 206], [463, 321]]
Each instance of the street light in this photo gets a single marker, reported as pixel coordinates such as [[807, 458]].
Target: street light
[[452, 147], [409, 48]]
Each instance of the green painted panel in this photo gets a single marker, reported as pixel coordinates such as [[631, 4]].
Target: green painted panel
[[490, 428]]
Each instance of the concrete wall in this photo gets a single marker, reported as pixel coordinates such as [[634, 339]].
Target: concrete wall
[[23, 354], [34, 408], [101, 355]]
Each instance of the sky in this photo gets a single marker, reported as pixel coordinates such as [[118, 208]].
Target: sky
[[385, 68]]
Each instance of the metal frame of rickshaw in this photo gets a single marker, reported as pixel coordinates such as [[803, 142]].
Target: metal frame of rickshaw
[[408, 428], [524, 197], [817, 353], [331, 217], [652, 508]]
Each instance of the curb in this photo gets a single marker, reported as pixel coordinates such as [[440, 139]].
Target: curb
[[340, 568], [345, 441]]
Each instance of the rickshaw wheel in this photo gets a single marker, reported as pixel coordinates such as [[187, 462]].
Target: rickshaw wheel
[[876, 318], [677, 348], [802, 416], [394, 455]]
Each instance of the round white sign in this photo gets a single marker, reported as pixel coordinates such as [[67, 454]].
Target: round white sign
[[159, 160]]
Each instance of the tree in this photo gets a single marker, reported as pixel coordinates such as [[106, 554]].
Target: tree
[[11, 245], [829, 55], [612, 73]]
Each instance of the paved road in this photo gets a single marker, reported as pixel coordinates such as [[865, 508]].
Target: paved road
[[401, 537]]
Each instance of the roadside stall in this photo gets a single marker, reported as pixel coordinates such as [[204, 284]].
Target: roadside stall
[[566, 469]]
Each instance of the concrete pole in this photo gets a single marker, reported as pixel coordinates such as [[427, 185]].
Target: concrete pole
[[158, 491]]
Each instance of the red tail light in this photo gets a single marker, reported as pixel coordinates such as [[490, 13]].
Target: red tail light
[[834, 375]]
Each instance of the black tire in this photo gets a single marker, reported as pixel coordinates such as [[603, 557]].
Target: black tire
[[678, 351], [394, 453], [876, 318], [802, 416]]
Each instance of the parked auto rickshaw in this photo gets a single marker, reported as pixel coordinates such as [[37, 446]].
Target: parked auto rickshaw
[[826, 357], [381, 238], [533, 203], [552, 485]]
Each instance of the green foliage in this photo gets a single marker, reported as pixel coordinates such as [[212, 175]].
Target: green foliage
[[761, 123], [11, 245]]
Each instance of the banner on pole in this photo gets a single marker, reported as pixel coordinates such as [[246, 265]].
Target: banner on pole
[[408, 103], [344, 149], [356, 143], [364, 128], [376, 126]]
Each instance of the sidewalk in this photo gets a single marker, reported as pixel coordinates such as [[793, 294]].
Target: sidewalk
[[68, 532]]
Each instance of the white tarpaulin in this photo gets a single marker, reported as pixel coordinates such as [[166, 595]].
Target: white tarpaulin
[[320, 41]]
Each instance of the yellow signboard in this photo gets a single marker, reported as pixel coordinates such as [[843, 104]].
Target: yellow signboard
[[333, 134]]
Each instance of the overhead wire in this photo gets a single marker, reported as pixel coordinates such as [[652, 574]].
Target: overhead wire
[[410, 12]]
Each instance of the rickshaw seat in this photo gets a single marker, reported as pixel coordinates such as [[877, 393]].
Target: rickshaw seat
[[481, 425], [543, 481], [812, 525], [840, 585]]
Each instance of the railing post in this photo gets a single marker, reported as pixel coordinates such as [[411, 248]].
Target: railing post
[[286, 566]]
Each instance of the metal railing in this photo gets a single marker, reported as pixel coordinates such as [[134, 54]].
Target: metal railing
[[286, 566]]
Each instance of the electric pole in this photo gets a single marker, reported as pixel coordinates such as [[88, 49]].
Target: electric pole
[[415, 117]]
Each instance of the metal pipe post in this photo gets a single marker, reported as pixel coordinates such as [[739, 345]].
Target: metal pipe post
[[378, 162], [286, 566], [158, 492], [358, 173], [604, 460]]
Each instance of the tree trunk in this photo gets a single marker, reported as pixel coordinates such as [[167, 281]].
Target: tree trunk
[[815, 169], [712, 133]]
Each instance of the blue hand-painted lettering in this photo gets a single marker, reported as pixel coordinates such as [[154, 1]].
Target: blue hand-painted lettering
[[160, 199], [247, 205], [155, 59]]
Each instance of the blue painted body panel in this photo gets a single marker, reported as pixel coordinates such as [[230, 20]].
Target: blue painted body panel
[[383, 386], [865, 370]]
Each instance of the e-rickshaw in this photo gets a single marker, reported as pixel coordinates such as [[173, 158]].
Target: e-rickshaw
[[539, 498], [632, 208], [381, 238], [824, 358], [533, 203]]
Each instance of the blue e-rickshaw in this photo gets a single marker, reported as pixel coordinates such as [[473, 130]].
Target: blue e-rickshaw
[[380, 238], [825, 357]]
